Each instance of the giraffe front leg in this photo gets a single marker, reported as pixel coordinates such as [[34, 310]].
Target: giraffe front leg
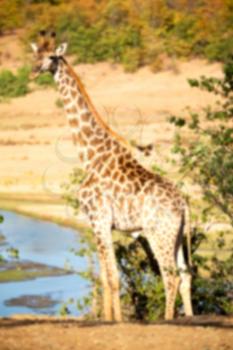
[[107, 294], [109, 275]]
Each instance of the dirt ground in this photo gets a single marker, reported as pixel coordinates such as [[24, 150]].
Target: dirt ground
[[199, 333]]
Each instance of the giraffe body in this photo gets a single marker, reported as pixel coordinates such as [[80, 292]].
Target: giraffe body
[[118, 193]]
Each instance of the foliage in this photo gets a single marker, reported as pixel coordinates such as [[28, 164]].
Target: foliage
[[142, 294], [130, 32], [207, 158], [11, 14], [45, 79], [14, 85], [13, 253]]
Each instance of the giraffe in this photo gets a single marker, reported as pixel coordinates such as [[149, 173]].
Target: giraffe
[[118, 192]]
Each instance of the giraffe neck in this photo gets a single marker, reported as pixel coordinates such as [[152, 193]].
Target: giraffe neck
[[89, 132]]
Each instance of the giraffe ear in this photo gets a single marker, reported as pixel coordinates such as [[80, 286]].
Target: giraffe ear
[[61, 50], [34, 47]]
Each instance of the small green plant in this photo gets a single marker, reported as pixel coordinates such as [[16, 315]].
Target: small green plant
[[131, 59], [13, 253], [14, 85], [45, 79]]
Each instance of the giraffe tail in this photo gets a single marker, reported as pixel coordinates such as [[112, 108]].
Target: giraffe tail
[[187, 231]]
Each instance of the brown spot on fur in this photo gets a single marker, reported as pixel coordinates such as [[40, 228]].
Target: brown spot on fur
[[95, 141], [101, 148], [81, 140], [131, 175], [129, 165], [108, 143], [112, 164], [116, 189], [122, 178], [90, 154], [81, 102], [107, 173], [87, 131], [117, 150], [74, 93], [72, 110], [137, 187], [67, 101], [85, 117], [81, 156], [115, 175], [74, 122], [121, 160], [93, 123]]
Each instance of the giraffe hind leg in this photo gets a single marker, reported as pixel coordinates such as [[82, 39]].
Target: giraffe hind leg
[[165, 255], [185, 284]]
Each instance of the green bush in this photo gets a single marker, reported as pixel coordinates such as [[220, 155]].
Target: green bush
[[131, 59], [207, 158], [107, 30], [11, 15], [219, 49], [14, 85], [45, 79]]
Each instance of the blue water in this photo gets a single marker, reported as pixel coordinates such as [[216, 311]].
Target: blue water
[[47, 243]]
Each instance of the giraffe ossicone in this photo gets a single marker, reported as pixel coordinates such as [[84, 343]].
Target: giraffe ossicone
[[118, 192]]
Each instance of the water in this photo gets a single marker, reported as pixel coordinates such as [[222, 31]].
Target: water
[[47, 243]]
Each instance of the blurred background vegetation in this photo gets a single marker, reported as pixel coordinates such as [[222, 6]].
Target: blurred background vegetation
[[131, 32]]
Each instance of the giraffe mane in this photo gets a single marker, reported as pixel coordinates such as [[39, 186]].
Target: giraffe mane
[[92, 108]]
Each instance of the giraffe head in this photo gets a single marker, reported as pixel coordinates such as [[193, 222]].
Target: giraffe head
[[46, 54]]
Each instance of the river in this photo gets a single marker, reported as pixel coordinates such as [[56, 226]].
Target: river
[[47, 243]]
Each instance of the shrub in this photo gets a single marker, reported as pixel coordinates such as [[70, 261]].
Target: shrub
[[132, 59], [11, 15], [45, 79], [14, 85], [207, 159]]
